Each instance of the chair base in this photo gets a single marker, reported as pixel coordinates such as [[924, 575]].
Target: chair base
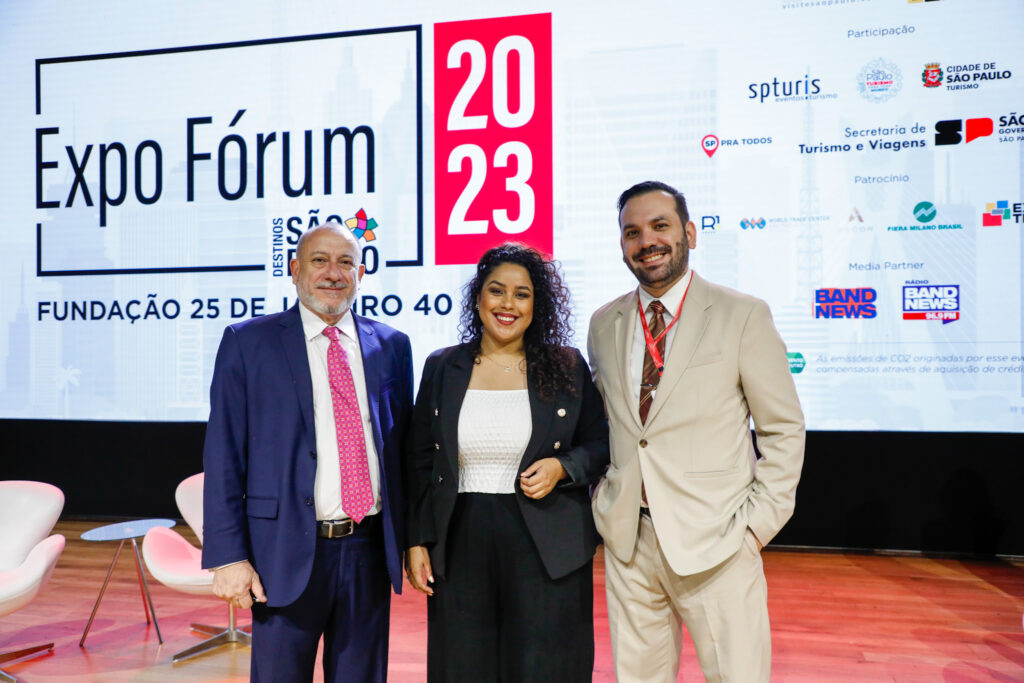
[[19, 654], [220, 636]]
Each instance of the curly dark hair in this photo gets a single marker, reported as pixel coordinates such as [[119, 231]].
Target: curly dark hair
[[550, 360]]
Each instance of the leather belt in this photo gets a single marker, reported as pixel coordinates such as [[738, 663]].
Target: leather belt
[[340, 528], [335, 528]]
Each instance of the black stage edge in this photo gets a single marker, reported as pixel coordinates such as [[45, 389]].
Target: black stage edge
[[932, 492], [108, 469]]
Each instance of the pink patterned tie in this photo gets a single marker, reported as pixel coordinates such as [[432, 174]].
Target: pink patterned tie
[[356, 491]]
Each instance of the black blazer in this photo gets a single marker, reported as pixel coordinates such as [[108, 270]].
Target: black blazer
[[572, 428]]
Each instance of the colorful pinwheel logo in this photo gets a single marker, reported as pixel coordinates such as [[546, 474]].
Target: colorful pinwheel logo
[[361, 226]]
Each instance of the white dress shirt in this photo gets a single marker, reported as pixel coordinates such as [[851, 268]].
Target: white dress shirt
[[670, 300], [327, 488]]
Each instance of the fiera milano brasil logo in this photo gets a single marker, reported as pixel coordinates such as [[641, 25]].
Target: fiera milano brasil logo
[[925, 214]]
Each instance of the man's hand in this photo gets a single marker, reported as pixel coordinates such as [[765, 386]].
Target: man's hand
[[237, 584], [540, 478], [417, 568]]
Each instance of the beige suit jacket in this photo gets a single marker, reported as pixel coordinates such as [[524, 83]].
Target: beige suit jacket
[[727, 363]]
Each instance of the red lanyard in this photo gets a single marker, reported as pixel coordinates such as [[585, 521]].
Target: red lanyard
[[652, 343]]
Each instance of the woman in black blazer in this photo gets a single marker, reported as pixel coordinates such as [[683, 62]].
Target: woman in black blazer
[[508, 435]]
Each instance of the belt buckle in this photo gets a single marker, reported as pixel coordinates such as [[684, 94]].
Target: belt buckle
[[346, 526]]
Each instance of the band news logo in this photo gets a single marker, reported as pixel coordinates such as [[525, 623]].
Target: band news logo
[[924, 301], [835, 302]]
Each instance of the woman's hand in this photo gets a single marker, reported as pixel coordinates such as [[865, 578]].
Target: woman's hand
[[417, 568], [540, 478]]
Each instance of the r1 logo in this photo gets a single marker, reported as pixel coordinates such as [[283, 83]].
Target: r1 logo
[[492, 136]]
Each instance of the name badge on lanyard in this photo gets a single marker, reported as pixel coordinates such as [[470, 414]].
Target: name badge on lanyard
[[650, 340]]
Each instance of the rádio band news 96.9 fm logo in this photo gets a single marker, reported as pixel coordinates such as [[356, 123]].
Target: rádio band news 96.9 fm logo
[[925, 301]]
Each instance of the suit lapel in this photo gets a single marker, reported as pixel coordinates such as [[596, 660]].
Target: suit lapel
[[540, 416], [293, 341], [370, 349], [693, 321], [624, 329], [453, 389]]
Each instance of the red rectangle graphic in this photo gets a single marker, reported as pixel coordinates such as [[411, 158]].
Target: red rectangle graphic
[[492, 136]]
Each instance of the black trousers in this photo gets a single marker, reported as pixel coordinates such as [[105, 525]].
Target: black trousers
[[497, 615]]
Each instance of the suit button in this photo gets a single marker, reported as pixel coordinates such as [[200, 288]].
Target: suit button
[[309, 501], [558, 444], [435, 412], [561, 412], [440, 479], [643, 443], [437, 446], [312, 454]]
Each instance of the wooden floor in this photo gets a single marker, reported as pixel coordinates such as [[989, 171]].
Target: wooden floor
[[835, 617]]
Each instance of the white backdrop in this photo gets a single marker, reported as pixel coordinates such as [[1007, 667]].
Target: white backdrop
[[857, 164]]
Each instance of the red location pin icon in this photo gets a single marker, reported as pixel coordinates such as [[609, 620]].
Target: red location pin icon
[[709, 143]]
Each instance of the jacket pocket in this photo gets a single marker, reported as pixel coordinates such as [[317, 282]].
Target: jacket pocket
[[265, 508], [711, 474], [706, 359]]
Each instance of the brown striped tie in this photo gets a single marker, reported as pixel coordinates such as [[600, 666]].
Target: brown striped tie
[[650, 379]]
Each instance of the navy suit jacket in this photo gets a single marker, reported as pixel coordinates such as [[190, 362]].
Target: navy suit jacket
[[260, 451], [570, 428]]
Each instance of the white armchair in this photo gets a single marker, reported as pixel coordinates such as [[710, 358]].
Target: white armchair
[[28, 511], [177, 564]]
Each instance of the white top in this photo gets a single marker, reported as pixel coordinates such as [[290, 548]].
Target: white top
[[494, 431], [670, 300], [327, 487]]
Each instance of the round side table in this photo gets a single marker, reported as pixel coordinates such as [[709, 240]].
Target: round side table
[[123, 531]]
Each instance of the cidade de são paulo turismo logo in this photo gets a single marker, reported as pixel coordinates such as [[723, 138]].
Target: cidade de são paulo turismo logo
[[963, 76]]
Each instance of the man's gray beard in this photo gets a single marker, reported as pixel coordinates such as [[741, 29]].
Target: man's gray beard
[[317, 306]]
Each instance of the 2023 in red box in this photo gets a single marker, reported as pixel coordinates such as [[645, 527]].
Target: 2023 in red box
[[492, 136]]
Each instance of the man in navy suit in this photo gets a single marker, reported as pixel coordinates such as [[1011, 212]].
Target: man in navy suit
[[285, 527]]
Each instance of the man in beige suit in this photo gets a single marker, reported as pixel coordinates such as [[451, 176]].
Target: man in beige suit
[[685, 506]]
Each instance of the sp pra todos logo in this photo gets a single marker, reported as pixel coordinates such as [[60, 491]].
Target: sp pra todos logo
[[834, 302]]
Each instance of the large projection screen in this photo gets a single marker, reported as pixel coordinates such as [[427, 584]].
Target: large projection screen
[[856, 163]]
